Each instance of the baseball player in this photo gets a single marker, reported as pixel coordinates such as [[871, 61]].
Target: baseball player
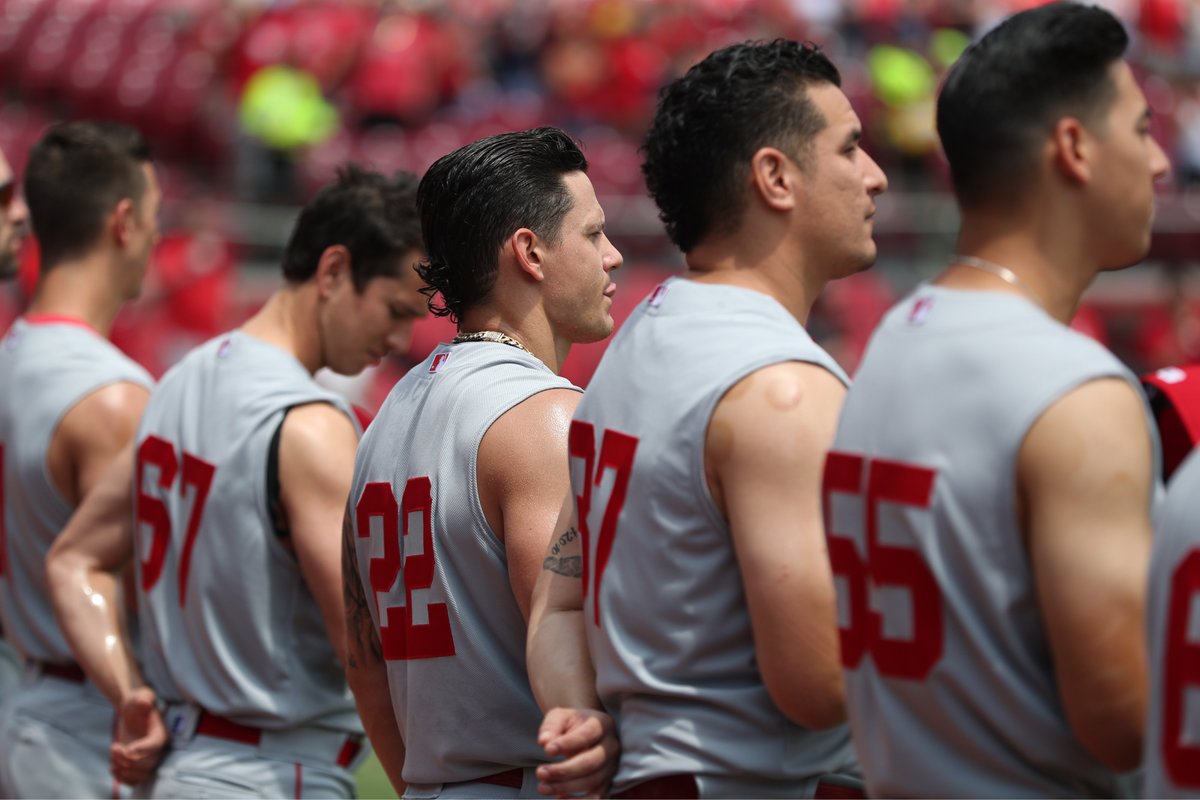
[[1171, 757], [459, 481], [69, 401], [14, 227], [696, 568], [990, 489], [241, 472]]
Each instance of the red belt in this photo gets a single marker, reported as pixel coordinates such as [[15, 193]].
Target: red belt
[[683, 787], [219, 727], [64, 672], [512, 778]]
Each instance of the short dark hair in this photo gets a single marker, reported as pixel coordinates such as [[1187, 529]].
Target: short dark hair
[[711, 121], [77, 173], [473, 199], [372, 215], [1007, 90]]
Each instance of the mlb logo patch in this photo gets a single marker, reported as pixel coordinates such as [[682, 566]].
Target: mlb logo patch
[[438, 361], [920, 311], [225, 347], [658, 295]]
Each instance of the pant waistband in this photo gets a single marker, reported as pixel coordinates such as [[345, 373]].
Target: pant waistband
[[317, 743], [683, 787], [69, 671]]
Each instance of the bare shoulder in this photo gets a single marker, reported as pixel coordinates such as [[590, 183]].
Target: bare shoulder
[[760, 413], [1101, 425], [114, 408], [316, 450], [532, 430], [314, 428]]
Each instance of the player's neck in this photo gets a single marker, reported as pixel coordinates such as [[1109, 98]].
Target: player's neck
[[773, 274], [288, 320], [83, 289], [1052, 270], [533, 331]]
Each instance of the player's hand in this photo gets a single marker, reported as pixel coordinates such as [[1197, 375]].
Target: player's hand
[[584, 743], [140, 738]]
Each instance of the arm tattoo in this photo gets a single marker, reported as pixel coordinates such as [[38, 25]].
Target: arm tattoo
[[362, 641], [567, 566]]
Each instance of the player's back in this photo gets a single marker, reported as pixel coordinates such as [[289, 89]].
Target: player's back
[[950, 682], [46, 367], [228, 622], [452, 633], [1172, 758], [664, 605]]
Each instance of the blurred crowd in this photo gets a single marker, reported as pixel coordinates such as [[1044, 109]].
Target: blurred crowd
[[257, 102]]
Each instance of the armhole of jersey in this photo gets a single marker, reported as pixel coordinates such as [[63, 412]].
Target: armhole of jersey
[[274, 499], [275, 510]]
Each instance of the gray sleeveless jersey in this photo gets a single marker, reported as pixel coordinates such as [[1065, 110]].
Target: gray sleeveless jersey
[[1172, 755], [664, 604], [950, 684], [452, 632], [45, 370], [228, 622]]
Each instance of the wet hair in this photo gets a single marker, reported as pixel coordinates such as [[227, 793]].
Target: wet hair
[[473, 199], [1007, 91], [372, 215], [710, 122], [76, 174]]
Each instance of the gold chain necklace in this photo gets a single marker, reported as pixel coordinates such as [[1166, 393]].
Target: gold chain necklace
[[490, 336], [1003, 273]]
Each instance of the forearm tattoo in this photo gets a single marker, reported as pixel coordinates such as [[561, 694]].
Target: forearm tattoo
[[362, 641], [567, 566]]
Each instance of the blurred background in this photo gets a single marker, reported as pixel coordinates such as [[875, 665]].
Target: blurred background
[[250, 106]]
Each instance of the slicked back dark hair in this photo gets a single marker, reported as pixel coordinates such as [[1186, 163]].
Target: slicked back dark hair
[[76, 175], [1008, 90], [372, 215], [473, 199], [710, 122]]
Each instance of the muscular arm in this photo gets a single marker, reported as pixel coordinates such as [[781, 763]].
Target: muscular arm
[[1084, 477], [764, 454], [83, 575], [316, 463], [91, 435], [575, 728], [523, 479], [91, 460], [366, 670]]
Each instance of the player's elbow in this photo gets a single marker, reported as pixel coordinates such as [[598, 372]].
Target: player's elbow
[[1116, 746], [816, 704]]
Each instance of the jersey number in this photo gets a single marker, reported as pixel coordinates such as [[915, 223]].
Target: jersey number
[[152, 511], [616, 453], [401, 636], [886, 565], [1182, 660]]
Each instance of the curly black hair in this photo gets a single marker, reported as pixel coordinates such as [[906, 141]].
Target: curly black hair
[[710, 122], [474, 198]]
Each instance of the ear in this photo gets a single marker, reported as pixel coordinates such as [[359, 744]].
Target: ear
[[527, 251], [1071, 150], [333, 269], [774, 177], [123, 221]]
